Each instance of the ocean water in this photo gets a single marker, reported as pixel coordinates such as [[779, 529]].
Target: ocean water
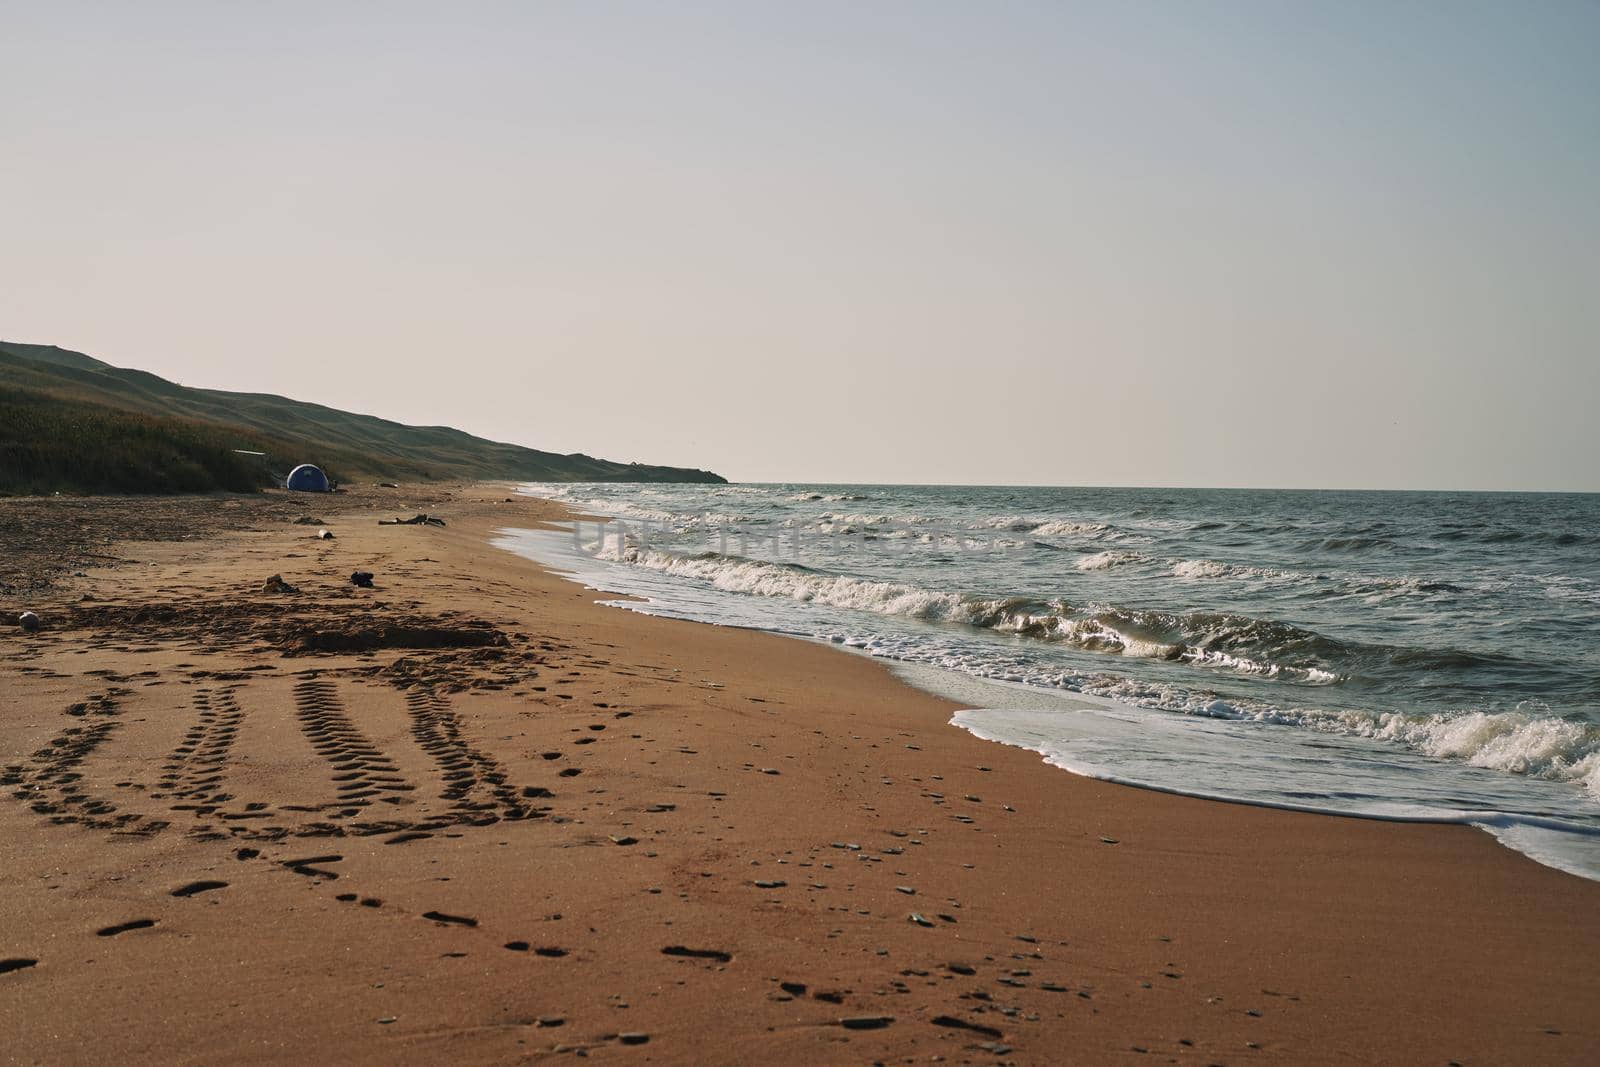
[[1394, 655]]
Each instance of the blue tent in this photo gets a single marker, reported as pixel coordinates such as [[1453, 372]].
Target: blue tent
[[306, 479]]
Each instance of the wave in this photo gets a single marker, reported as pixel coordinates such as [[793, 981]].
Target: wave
[[1014, 523], [797, 583], [1527, 741], [1065, 528], [1332, 584], [1501, 535], [1103, 561], [1235, 643], [1229, 641], [1350, 544], [843, 521], [1207, 568], [1566, 587], [1520, 742], [1043, 527]]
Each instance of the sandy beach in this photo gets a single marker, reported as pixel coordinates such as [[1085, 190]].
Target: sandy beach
[[470, 815]]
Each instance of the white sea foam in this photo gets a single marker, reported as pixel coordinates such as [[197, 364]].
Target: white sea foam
[[857, 519], [1103, 561], [831, 498], [1258, 668], [1118, 744], [1521, 742], [1042, 527], [1102, 632], [1210, 568], [775, 580], [1062, 528]]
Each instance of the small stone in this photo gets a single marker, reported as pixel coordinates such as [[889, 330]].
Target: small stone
[[918, 919], [633, 1038], [623, 840], [866, 1022], [907, 890], [775, 884]]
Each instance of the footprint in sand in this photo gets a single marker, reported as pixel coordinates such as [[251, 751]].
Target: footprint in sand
[[698, 953], [307, 866], [442, 917]]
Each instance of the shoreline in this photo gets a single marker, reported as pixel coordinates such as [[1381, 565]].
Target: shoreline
[[1066, 917], [1562, 844]]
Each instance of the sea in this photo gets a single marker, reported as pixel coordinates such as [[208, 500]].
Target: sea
[[1393, 655]]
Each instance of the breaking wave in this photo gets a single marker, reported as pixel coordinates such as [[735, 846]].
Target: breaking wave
[[1521, 742], [1104, 561], [1222, 641], [1206, 568]]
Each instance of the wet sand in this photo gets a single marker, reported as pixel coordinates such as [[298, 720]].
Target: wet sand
[[470, 814]]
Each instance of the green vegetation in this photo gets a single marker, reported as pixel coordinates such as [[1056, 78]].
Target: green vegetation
[[181, 425], [48, 444]]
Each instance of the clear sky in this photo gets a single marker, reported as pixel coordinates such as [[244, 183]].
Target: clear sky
[[1287, 244]]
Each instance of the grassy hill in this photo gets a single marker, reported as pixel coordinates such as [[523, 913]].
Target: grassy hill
[[65, 411]]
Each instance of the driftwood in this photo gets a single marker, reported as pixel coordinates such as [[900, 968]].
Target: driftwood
[[415, 520]]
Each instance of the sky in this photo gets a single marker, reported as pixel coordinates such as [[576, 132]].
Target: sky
[[1349, 245]]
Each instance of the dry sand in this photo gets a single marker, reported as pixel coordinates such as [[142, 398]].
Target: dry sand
[[353, 825]]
